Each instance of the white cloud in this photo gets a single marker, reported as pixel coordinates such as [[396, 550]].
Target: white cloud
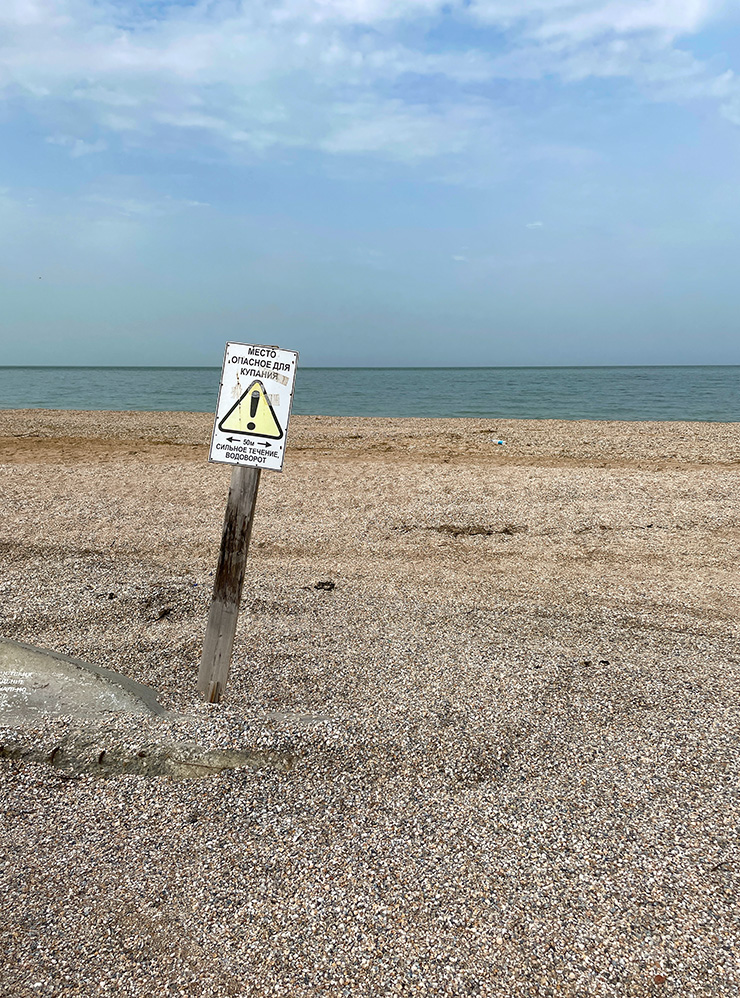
[[139, 207], [330, 75], [77, 147], [534, 225], [731, 110], [578, 20], [404, 132]]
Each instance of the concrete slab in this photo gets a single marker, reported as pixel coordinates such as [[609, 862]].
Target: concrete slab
[[36, 683], [103, 734]]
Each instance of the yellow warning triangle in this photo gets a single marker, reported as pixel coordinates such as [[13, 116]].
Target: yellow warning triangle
[[252, 415]]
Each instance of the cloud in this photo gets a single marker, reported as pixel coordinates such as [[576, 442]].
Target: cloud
[[581, 20], [139, 207], [344, 77], [77, 147], [404, 132], [731, 110], [534, 225]]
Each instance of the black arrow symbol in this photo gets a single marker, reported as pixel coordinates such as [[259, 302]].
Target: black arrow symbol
[[265, 443]]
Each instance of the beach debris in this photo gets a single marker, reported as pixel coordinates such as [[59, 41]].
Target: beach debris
[[472, 530], [164, 599], [327, 585], [476, 529], [495, 439]]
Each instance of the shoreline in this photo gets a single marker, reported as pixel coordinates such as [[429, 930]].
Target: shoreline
[[591, 440]]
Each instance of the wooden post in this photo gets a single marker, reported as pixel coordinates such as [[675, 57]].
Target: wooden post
[[227, 584]]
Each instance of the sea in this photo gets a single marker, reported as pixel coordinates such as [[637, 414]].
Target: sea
[[708, 393]]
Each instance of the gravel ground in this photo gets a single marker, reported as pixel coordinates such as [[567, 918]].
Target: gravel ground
[[505, 679]]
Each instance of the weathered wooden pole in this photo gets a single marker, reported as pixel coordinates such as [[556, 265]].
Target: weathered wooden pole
[[228, 582]]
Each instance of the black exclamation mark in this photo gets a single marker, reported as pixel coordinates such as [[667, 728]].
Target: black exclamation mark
[[254, 401]]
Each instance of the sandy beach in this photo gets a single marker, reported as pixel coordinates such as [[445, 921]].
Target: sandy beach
[[506, 677]]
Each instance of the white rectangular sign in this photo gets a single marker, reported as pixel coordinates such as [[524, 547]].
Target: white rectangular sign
[[251, 425]]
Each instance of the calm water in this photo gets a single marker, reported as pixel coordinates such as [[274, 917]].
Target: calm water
[[695, 393]]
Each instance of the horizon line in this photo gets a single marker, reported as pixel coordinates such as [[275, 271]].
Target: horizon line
[[354, 367]]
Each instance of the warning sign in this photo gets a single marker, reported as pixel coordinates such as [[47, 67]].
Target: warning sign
[[253, 415], [254, 403]]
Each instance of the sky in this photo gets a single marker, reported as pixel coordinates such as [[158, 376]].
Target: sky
[[370, 182]]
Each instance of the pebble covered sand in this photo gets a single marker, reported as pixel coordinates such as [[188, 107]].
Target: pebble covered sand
[[501, 683]]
